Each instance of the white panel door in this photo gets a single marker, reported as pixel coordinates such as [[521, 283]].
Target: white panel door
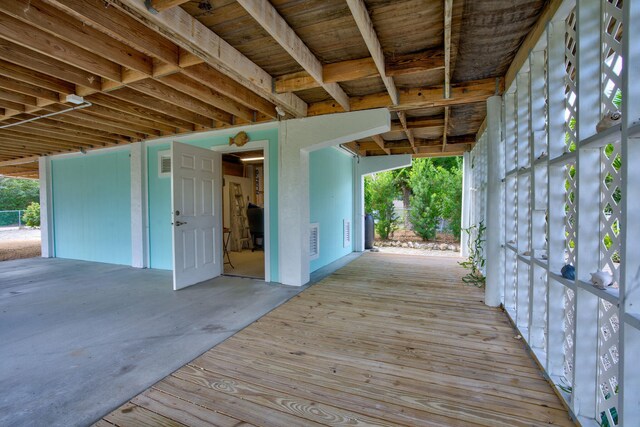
[[196, 184]]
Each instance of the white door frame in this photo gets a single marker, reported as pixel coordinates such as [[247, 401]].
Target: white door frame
[[252, 146]]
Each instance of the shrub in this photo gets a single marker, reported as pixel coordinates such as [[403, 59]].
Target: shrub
[[31, 216], [380, 192]]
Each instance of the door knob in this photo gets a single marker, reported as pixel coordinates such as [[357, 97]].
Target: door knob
[[179, 223]]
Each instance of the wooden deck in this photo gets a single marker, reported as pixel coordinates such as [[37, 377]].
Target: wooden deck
[[387, 340]]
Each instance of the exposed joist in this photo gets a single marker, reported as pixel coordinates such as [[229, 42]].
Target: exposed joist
[[403, 121], [416, 98], [445, 130], [418, 123], [269, 18], [10, 95], [20, 161], [448, 9], [156, 6], [37, 79], [28, 89], [363, 21], [188, 33], [165, 93], [27, 58], [428, 60], [380, 141], [61, 25], [44, 43], [337, 72]]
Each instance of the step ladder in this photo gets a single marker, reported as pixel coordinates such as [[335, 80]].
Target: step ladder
[[240, 234]]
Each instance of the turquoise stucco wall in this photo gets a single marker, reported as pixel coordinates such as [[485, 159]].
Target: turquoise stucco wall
[[160, 198], [331, 201], [92, 207]]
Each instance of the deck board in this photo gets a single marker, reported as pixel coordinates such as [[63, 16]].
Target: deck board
[[386, 340]]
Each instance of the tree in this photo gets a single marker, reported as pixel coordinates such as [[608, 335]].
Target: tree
[[32, 215], [17, 194], [380, 192], [436, 185]]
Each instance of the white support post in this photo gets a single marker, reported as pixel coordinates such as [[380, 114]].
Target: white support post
[[466, 199], [138, 161], [297, 138], [495, 280], [629, 400], [46, 209], [588, 198], [366, 166]]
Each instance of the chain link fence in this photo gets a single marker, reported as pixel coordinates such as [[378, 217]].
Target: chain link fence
[[11, 218]]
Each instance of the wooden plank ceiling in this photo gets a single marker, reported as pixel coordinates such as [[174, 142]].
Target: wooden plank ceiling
[[195, 65]]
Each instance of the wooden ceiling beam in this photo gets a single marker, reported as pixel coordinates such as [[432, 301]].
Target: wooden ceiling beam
[[427, 60], [417, 98], [403, 121], [363, 21], [37, 130], [193, 36], [10, 105], [124, 129], [27, 58], [269, 18], [120, 26], [119, 100], [26, 138], [336, 72], [381, 143], [28, 89], [74, 129], [19, 161], [221, 83], [112, 108], [156, 6], [9, 95], [61, 25], [37, 79], [418, 123], [165, 93], [204, 93], [448, 9], [445, 129], [39, 41], [64, 121]]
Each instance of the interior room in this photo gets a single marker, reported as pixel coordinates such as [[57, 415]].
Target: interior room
[[243, 214]]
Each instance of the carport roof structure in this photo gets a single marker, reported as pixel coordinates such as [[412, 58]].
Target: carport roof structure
[[185, 66]]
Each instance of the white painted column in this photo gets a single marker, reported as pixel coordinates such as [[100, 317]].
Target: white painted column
[[495, 280], [466, 198], [366, 166], [297, 138], [46, 209], [138, 161]]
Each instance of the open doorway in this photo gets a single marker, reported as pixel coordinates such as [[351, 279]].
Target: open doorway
[[243, 207]]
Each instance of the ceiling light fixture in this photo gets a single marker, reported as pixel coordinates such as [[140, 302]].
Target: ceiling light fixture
[[252, 159]]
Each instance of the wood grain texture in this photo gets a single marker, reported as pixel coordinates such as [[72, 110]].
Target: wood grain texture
[[387, 340]]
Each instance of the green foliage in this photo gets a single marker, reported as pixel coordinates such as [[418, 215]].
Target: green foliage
[[436, 185], [380, 192], [476, 260], [32, 215], [17, 194]]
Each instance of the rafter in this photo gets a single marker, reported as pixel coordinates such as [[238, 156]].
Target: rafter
[[363, 21], [428, 60], [337, 72], [269, 18]]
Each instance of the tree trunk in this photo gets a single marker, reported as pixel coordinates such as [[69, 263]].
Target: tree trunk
[[406, 194]]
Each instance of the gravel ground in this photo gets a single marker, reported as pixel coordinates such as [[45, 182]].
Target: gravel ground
[[422, 252], [16, 243]]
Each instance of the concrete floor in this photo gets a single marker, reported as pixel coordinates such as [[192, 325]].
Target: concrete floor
[[78, 339]]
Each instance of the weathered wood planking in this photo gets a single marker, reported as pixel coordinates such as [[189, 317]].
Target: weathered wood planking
[[387, 340]]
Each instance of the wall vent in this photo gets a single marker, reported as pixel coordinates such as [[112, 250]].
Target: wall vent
[[314, 241], [164, 163], [346, 233]]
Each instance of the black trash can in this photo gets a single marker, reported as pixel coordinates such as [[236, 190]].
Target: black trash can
[[368, 231]]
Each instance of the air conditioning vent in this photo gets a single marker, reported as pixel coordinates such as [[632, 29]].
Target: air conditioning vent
[[164, 163], [346, 233], [314, 241]]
